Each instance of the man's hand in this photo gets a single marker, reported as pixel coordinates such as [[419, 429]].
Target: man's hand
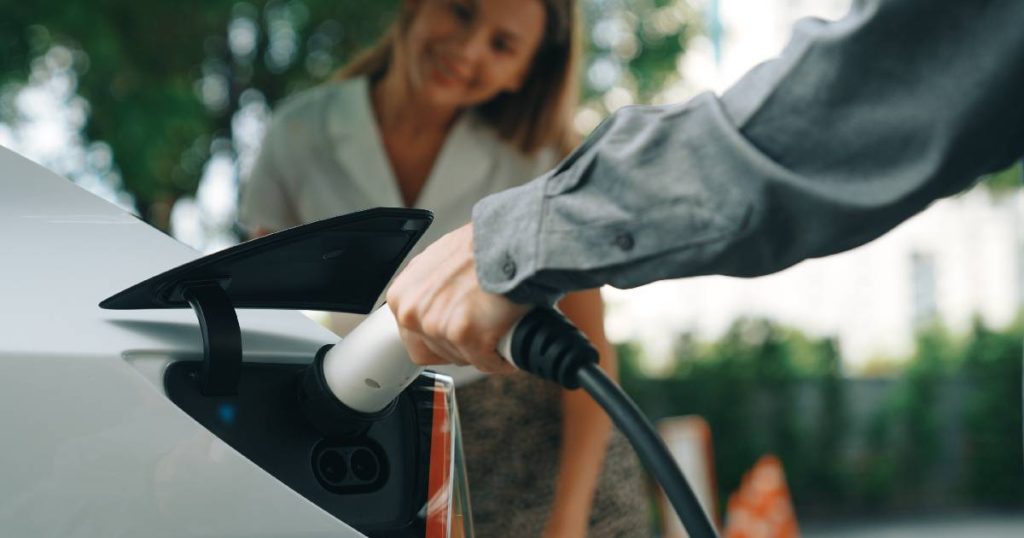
[[443, 314]]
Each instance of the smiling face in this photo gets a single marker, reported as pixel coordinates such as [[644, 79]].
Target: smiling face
[[461, 53]]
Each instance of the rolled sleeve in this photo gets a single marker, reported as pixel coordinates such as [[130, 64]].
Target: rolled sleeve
[[505, 239], [608, 213], [631, 205]]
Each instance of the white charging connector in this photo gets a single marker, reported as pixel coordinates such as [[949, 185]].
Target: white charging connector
[[370, 367]]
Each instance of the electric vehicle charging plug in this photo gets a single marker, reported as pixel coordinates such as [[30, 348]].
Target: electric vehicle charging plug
[[545, 344]]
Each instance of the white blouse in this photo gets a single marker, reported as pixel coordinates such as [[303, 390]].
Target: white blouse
[[322, 156]]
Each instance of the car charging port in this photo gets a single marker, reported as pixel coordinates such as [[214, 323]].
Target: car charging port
[[352, 466], [325, 412]]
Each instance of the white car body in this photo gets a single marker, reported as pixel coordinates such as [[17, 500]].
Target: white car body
[[92, 446]]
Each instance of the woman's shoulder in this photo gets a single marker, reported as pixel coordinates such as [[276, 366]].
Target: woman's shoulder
[[307, 109]]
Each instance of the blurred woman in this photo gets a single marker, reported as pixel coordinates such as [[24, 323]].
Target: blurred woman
[[460, 99]]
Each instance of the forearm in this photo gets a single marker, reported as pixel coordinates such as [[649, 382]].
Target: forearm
[[585, 429], [585, 439], [858, 125]]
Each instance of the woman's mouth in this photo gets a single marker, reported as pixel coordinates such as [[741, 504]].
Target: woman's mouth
[[446, 73]]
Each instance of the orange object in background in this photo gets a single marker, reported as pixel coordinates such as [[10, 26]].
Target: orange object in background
[[762, 508]]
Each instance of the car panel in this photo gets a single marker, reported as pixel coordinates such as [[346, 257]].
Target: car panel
[[93, 447]]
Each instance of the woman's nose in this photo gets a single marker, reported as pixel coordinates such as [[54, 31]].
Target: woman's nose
[[473, 45]]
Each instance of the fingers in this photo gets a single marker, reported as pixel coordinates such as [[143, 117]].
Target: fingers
[[423, 332], [420, 352], [428, 350], [443, 314]]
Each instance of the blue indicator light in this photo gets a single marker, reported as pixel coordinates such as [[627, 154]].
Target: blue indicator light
[[227, 413]]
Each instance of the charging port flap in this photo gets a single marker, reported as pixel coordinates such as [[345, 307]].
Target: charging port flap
[[340, 264]]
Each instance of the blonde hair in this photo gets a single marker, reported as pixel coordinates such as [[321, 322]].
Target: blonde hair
[[537, 116]]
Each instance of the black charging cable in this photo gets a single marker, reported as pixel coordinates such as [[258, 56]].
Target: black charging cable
[[545, 344]]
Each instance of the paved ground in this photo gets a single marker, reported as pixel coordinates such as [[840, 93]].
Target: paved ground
[[955, 526]]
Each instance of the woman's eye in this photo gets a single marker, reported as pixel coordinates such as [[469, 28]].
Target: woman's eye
[[462, 11], [501, 45]]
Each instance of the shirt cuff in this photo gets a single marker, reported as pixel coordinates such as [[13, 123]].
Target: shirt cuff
[[506, 231]]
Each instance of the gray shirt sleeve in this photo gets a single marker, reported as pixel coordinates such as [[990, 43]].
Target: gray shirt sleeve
[[858, 125]]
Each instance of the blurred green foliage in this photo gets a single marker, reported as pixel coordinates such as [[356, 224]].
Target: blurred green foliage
[[945, 432], [639, 40], [993, 416], [141, 66], [1005, 181]]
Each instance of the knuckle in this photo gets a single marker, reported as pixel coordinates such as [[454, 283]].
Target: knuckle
[[406, 317], [432, 327], [461, 332]]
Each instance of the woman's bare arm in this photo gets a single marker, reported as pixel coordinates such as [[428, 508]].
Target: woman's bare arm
[[585, 428]]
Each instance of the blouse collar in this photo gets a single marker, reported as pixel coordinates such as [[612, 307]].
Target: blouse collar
[[467, 156]]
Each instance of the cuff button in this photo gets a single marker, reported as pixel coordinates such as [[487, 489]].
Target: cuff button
[[625, 241], [509, 269]]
